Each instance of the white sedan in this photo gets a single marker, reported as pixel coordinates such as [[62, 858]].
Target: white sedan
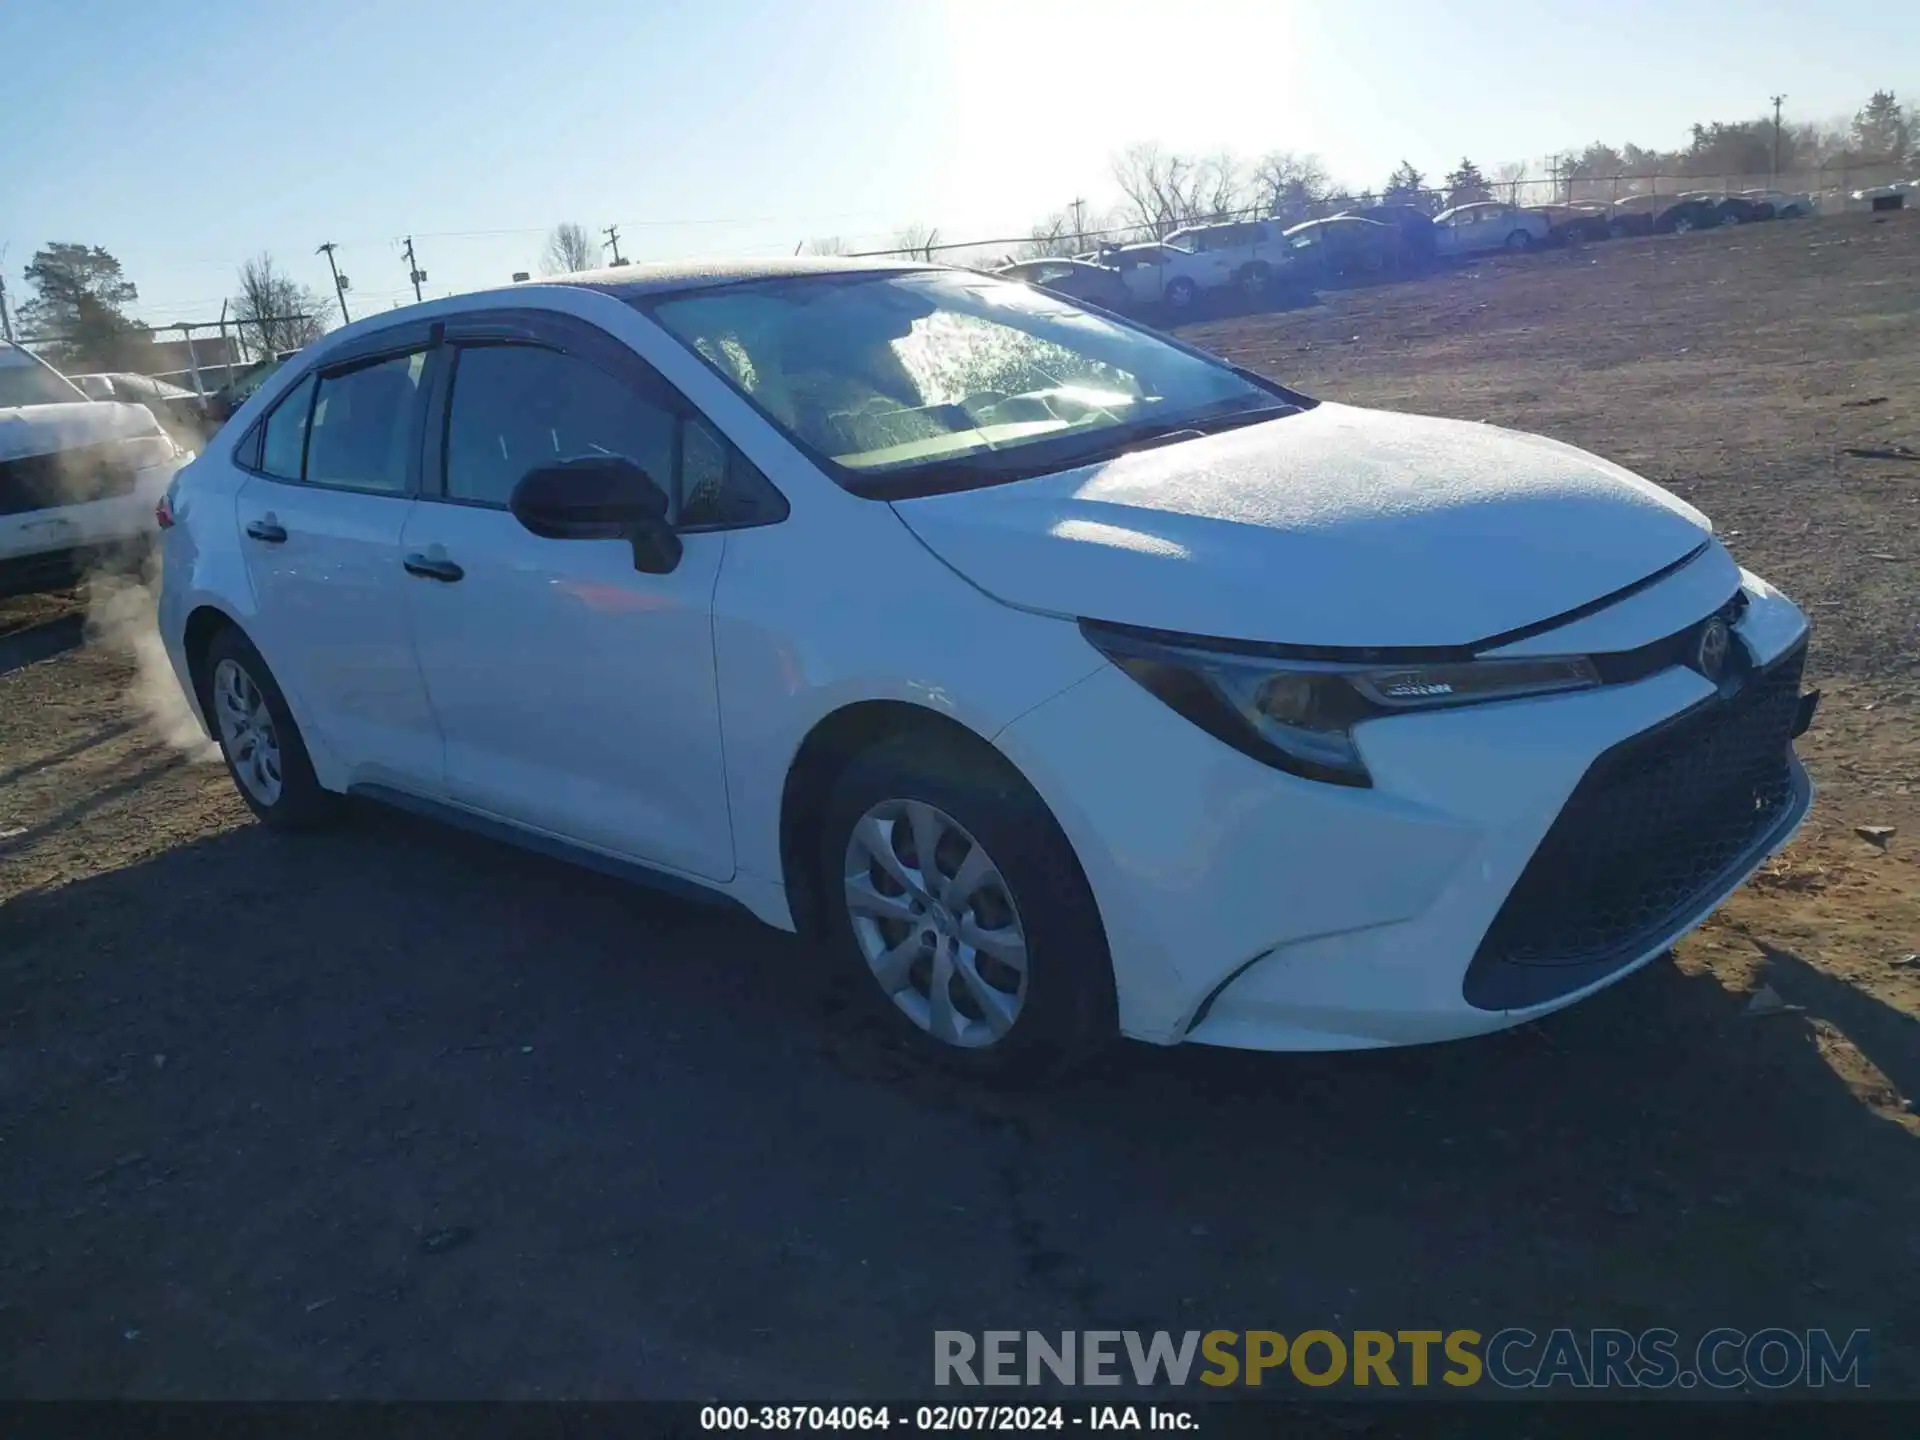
[[1064, 681], [1478, 228]]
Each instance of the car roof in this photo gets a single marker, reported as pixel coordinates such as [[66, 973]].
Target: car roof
[[1336, 220], [666, 277]]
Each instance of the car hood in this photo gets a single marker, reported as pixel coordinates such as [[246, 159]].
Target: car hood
[[48, 429], [1335, 527]]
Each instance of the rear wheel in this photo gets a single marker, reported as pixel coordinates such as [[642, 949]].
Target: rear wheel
[[1256, 279], [957, 907], [258, 737], [1520, 240], [1181, 294]]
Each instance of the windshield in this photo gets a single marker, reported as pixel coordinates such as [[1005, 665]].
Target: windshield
[[24, 381], [902, 383]]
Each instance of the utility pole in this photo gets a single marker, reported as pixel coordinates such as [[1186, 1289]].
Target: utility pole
[[414, 272], [6, 320], [1776, 133], [1079, 208], [339, 282], [612, 232]]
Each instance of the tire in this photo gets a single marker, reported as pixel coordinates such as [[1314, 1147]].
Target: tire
[[1683, 225], [892, 941], [1256, 279], [265, 754], [1617, 231], [1520, 240], [1181, 294]]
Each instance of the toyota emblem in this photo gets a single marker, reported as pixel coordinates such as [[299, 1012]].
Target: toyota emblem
[[1710, 657]]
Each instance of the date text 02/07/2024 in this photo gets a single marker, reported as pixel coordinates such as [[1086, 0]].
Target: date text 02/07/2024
[[942, 1419]]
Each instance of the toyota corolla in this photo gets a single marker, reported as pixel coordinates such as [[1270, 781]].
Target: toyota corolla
[[1065, 681]]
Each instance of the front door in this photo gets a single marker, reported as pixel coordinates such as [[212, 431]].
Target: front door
[[320, 518], [577, 694]]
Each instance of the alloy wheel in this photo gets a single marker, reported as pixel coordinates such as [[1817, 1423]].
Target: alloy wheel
[[247, 732], [936, 923]]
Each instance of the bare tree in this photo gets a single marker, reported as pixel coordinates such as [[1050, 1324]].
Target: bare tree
[[569, 248], [825, 245], [916, 241], [1289, 186], [1161, 191], [1050, 238], [275, 311], [1508, 178]]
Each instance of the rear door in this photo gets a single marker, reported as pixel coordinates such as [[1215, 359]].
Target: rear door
[[332, 473]]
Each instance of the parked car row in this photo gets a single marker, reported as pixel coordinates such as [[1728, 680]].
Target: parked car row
[[1253, 256]]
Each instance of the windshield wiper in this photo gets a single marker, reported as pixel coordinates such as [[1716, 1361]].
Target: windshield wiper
[[1123, 440], [1043, 457]]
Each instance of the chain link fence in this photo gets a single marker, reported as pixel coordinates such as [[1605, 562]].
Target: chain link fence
[[1828, 190]]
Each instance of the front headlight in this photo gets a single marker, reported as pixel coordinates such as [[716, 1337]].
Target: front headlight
[[1300, 715]]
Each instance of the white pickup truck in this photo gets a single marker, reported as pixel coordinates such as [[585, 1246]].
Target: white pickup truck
[[79, 478]]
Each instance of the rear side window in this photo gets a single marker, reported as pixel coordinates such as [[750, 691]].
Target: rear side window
[[284, 438], [362, 427]]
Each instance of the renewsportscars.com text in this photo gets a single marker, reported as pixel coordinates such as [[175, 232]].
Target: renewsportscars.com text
[[1512, 1358]]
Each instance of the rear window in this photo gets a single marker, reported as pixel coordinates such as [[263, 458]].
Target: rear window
[[284, 444], [362, 424]]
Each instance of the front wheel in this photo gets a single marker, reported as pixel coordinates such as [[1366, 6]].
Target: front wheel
[[259, 740], [957, 906], [1181, 294], [1519, 240]]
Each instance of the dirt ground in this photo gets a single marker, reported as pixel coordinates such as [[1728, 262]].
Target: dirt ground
[[397, 1112]]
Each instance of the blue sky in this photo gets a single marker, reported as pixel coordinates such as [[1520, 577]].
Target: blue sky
[[186, 138]]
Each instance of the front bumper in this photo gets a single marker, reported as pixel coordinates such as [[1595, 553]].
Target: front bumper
[[1249, 908]]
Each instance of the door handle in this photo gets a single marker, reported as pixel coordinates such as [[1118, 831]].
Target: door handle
[[267, 533], [433, 568]]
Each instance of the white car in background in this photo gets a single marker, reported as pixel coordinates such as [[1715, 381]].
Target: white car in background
[[1485, 226], [79, 478], [1245, 254], [1174, 272], [1060, 679]]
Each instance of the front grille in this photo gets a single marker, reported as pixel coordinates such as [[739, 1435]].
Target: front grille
[[1652, 826], [72, 477]]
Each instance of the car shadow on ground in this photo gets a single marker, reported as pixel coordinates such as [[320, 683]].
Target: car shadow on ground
[[399, 1111]]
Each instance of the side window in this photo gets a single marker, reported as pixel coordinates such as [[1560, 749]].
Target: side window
[[362, 426], [284, 436], [515, 407], [720, 489]]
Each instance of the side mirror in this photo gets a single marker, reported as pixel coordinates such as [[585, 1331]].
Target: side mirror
[[599, 497]]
